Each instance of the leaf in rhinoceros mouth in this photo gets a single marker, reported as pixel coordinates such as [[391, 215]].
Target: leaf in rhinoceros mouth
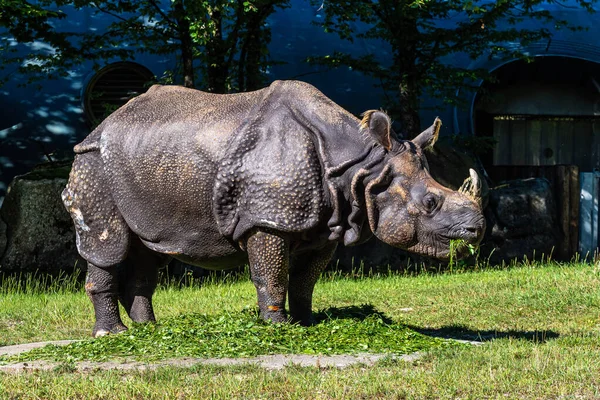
[[460, 248]]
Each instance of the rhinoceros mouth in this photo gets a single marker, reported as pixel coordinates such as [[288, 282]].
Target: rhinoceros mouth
[[442, 253], [438, 252], [470, 231], [460, 242], [468, 235]]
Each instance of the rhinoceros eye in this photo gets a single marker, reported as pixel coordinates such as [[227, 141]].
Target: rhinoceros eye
[[430, 202]]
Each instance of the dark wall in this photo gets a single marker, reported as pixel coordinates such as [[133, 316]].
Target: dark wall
[[46, 119]]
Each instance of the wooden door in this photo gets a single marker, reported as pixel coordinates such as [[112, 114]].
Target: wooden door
[[537, 141]]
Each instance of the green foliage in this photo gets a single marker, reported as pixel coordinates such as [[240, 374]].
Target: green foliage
[[223, 41], [464, 303], [423, 36], [26, 23], [243, 334]]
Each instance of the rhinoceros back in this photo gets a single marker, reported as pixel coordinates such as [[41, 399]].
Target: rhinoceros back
[[161, 153]]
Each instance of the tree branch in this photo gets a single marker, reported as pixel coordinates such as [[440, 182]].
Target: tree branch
[[110, 13], [232, 38], [163, 14]]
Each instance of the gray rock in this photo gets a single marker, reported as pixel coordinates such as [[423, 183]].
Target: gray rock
[[39, 232], [522, 221], [3, 238]]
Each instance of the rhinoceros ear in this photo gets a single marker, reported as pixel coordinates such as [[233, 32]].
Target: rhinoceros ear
[[379, 126], [429, 136]]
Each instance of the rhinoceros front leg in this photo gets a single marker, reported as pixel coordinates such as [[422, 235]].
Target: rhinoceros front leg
[[304, 273], [102, 287], [137, 281], [268, 254]]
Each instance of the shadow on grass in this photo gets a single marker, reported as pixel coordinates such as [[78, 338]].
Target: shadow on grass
[[457, 332], [351, 312]]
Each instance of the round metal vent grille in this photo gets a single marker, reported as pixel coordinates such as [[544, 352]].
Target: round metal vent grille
[[112, 87]]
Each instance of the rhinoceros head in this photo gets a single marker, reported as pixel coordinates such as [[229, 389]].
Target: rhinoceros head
[[407, 208]]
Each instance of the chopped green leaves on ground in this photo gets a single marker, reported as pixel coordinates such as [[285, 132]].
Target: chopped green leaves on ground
[[243, 334]]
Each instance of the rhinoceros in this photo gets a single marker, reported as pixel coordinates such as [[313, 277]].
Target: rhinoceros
[[275, 178]]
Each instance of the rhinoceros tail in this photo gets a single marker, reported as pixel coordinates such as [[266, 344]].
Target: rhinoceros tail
[[90, 143], [86, 147]]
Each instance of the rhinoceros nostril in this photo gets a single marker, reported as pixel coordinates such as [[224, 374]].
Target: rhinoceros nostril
[[472, 231]]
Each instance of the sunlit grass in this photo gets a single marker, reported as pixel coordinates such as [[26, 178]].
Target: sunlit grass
[[525, 298], [540, 323]]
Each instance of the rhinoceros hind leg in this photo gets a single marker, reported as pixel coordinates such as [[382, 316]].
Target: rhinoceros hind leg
[[304, 274], [138, 277], [102, 235], [101, 285], [268, 254]]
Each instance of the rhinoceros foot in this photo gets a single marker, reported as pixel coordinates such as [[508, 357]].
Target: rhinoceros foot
[[100, 330]]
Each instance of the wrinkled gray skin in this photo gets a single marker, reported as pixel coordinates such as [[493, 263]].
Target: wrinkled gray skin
[[274, 178]]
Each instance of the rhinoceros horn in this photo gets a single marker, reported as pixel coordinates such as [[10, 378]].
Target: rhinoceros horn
[[472, 186]]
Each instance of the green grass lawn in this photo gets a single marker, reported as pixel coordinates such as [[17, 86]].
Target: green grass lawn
[[540, 325]]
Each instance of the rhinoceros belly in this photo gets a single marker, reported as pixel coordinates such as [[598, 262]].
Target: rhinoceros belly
[[164, 192]]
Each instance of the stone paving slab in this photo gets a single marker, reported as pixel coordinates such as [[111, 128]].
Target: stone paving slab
[[21, 348], [270, 362]]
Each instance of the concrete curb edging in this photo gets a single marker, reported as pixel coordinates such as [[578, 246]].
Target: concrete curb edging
[[269, 362], [22, 348]]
